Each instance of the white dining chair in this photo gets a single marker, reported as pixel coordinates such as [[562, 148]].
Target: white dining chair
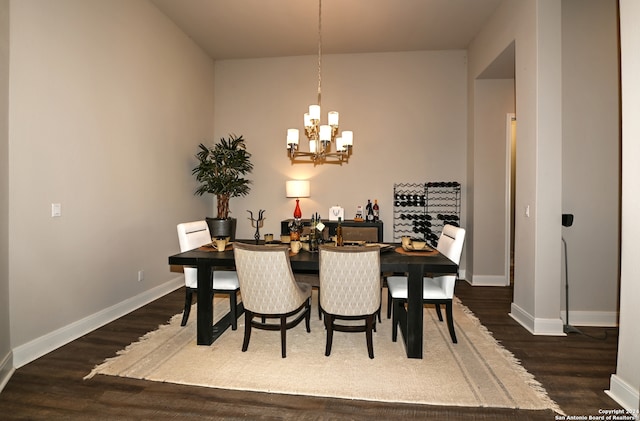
[[437, 290], [192, 235]]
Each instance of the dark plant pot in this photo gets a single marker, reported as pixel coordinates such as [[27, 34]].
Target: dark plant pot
[[222, 227]]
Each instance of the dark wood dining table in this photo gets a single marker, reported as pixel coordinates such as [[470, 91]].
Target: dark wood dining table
[[416, 265]]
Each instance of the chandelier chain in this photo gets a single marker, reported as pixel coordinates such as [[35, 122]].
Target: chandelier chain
[[319, 52], [321, 136]]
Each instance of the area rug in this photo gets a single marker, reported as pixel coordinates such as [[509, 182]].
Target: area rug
[[475, 372]]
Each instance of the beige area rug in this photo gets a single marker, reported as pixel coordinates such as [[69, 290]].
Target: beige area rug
[[475, 372]]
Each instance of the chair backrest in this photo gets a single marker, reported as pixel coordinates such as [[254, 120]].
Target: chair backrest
[[307, 229], [266, 281], [368, 234], [192, 235], [451, 242], [350, 280]]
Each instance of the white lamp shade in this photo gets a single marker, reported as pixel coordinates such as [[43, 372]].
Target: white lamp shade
[[325, 133], [298, 188], [347, 138], [333, 118], [292, 136], [314, 112]]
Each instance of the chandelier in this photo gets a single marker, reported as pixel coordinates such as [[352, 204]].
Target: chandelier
[[320, 136]]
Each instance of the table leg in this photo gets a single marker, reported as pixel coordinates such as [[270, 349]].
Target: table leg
[[207, 332], [414, 312], [205, 304]]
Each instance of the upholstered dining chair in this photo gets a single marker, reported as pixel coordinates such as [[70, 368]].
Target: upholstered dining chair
[[269, 291], [437, 290], [192, 235], [350, 289]]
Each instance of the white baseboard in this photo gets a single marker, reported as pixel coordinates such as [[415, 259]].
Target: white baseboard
[[489, 281], [622, 392], [591, 318], [537, 326], [38, 347], [522, 317], [6, 369]]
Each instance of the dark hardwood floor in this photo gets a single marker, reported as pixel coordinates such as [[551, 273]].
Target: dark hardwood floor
[[575, 370]]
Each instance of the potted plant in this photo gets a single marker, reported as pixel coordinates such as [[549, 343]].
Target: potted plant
[[220, 171]]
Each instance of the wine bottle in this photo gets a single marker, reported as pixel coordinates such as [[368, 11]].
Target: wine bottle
[[376, 211], [369, 211], [339, 239]]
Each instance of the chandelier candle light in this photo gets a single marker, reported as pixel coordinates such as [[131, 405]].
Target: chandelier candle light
[[320, 136]]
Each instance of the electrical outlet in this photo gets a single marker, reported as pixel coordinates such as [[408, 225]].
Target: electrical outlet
[[140, 275]]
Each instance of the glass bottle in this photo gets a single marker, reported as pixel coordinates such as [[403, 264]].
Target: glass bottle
[[339, 239], [376, 211]]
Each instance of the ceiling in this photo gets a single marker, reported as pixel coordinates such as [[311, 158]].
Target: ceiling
[[234, 29]]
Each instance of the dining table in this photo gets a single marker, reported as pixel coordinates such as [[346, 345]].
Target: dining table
[[392, 260]]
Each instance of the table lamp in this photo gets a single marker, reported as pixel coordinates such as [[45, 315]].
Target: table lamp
[[297, 189]]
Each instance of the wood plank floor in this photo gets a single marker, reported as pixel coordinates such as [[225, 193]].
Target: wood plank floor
[[575, 370]]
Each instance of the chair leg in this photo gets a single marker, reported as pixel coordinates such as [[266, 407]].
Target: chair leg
[[438, 311], [233, 303], [370, 325], [248, 317], [283, 335], [389, 303], [187, 306], [307, 317], [328, 321], [319, 306], [452, 332]]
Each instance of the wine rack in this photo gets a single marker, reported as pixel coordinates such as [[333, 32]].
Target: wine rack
[[421, 210]]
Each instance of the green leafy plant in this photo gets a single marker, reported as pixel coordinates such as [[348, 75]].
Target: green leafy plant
[[221, 170]]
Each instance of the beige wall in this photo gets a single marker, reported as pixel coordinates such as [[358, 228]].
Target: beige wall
[[590, 164], [590, 158], [6, 361], [407, 111], [108, 102], [552, 131], [535, 28], [625, 383]]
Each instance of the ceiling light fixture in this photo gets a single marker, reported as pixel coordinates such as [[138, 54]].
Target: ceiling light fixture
[[320, 136]]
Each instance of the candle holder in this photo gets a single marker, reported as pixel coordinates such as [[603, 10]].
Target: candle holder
[[257, 223]]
